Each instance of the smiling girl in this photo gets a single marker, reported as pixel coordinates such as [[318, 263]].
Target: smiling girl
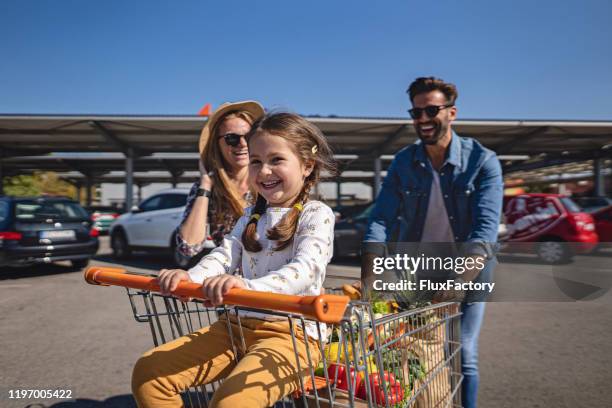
[[282, 245]]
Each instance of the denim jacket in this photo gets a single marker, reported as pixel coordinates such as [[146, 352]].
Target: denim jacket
[[472, 188]]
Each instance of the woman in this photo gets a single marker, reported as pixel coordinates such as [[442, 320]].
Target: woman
[[219, 197]]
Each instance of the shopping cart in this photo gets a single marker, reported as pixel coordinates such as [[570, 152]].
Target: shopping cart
[[404, 359]]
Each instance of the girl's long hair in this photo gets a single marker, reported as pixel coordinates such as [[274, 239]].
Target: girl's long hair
[[225, 196], [311, 147]]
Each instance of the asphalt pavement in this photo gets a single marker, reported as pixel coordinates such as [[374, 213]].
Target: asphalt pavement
[[60, 333]]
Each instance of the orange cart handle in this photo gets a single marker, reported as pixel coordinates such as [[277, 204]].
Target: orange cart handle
[[324, 308]]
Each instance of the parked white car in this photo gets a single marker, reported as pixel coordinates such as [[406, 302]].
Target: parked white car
[[152, 226]]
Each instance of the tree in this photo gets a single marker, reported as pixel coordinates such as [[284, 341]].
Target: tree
[[21, 185], [39, 183]]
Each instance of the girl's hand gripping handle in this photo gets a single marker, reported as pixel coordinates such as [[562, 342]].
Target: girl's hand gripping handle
[[324, 308]]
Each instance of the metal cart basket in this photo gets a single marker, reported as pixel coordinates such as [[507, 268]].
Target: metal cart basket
[[409, 358]]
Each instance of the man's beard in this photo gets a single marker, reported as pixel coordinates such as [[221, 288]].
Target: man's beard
[[439, 132]]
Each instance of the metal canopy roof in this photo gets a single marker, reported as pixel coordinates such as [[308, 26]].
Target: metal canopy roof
[[89, 164], [97, 164], [559, 173], [175, 164], [360, 139], [144, 178], [28, 134], [554, 174]]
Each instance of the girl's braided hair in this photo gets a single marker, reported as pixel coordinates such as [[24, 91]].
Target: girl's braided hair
[[310, 145]]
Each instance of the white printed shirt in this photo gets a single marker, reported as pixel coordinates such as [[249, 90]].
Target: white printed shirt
[[298, 269]]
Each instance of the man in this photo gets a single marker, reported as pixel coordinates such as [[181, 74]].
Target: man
[[443, 188]]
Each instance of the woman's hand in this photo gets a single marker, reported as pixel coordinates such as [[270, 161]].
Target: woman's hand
[[206, 181], [216, 287], [169, 279]]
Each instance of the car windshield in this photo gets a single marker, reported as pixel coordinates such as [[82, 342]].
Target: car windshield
[[37, 209], [570, 205]]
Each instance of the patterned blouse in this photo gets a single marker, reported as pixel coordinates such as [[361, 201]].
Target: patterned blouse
[[298, 269], [218, 231]]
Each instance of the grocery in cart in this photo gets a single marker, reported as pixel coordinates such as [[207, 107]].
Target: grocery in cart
[[365, 354]]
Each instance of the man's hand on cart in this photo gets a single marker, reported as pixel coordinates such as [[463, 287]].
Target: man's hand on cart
[[214, 288], [169, 279], [471, 272]]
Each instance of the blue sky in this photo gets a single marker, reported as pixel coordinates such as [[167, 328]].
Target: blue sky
[[537, 59]]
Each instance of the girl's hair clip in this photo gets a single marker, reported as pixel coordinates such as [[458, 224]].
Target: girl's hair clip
[[315, 149], [255, 217], [298, 206]]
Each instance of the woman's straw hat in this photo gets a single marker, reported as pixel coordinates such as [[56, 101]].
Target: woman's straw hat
[[252, 107]]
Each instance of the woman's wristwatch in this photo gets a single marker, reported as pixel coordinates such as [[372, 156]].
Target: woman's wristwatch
[[202, 192]]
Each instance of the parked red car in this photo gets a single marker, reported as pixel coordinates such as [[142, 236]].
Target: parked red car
[[603, 223], [544, 223]]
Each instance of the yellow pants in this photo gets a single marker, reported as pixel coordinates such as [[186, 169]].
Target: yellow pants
[[264, 373]]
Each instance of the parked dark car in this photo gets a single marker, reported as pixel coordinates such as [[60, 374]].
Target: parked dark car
[[44, 230], [103, 217], [349, 232]]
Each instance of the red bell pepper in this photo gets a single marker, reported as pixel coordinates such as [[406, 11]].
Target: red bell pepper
[[338, 371], [395, 392]]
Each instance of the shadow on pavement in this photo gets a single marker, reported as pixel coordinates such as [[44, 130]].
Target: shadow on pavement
[[346, 261], [516, 258], [118, 401], [532, 259], [33, 271], [604, 249], [144, 260]]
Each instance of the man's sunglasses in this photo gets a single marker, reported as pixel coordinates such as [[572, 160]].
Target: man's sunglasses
[[431, 111], [232, 139]]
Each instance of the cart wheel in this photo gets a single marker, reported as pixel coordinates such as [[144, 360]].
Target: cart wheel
[[80, 263], [119, 244], [553, 252]]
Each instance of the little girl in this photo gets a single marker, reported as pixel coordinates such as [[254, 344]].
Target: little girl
[[282, 245]]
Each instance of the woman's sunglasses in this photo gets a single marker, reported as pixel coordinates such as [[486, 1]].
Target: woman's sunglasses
[[232, 139], [431, 111]]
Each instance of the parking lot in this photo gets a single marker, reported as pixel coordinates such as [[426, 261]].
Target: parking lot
[[60, 333]]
